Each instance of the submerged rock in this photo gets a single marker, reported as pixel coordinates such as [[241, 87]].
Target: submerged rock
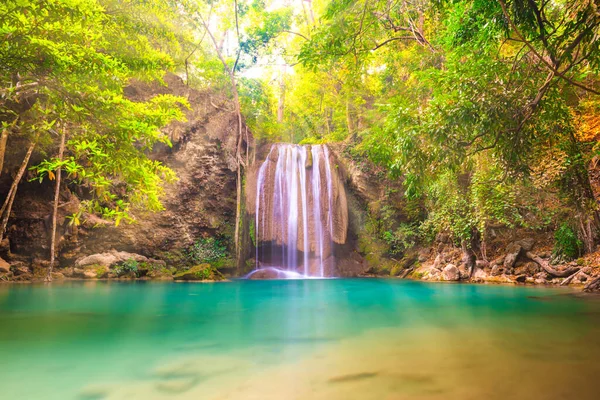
[[274, 273]]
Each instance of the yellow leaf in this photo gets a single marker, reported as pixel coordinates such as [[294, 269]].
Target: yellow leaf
[[117, 221], [51, 175]]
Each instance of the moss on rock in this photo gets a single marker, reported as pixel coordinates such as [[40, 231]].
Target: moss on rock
[[201, 272]]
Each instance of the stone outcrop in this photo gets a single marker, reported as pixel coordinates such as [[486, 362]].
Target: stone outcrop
[[113, 257], [200, 203]]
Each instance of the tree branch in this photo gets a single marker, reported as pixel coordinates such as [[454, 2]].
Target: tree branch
[[538, 55]]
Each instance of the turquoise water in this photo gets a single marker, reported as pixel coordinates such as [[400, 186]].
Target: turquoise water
[[297, 339]]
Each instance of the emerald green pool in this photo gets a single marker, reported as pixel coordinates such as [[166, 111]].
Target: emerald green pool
[[296, 339]]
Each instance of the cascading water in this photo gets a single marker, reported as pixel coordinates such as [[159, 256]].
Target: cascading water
[[300, 211]]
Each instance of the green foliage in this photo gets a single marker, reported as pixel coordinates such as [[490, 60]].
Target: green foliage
[[206, 250], [203, 274], [70, 61], [402, 239], [128, 267], [566, 243], [442, 96], [252, 232]]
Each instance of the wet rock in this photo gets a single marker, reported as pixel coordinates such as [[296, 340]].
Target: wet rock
[[521, 278], [4, 266], [451, 273], [526, 244], [266, 273], [202, 272]]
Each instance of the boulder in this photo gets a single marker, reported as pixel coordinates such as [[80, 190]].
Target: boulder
[[521, 278], [202, 272], [513, 250], [482, 264], [90, 274], [526, 244], [76, 273], [148, 267], [528, 269], [439, 259], [4, 266], [479, 274], [109, 259], [464, 272], [450, 273], [424, 254], [497, 261]]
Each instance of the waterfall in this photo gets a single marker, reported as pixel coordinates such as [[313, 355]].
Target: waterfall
[[300, 210]]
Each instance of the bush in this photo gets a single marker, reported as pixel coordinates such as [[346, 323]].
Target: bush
[[128, 267], [401, 239], [206, 250], [566, 243]]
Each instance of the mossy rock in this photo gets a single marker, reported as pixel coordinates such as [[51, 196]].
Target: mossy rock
[[202, 272], [101, 271]]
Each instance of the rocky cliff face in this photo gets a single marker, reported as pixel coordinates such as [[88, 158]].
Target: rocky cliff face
[[200, 204]]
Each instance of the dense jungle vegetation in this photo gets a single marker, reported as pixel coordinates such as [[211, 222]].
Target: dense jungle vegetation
[[488, 111]]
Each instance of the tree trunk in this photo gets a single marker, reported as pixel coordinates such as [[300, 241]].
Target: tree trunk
[[3, 140], [238, 155], [349, 120], [593, 285], [281, 104], [8, 202], [61, 151], [560, 274]]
